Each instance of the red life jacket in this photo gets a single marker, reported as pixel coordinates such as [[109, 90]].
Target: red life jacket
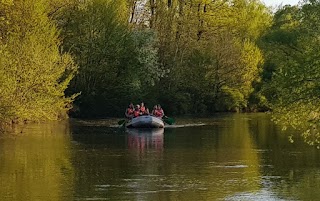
[[157, 113], [161, 112], [136, 113]]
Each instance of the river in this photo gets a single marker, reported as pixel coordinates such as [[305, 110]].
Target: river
[[228, 157]]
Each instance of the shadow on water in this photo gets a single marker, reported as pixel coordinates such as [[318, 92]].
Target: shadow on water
[[99, 137]]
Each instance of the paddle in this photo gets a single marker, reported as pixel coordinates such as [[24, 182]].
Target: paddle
[[122, 122], [168, 120]]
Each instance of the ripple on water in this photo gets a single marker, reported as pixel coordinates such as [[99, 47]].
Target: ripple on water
[[105, 187], [93, 199], [141, 192], [236, 166], [262, 195]]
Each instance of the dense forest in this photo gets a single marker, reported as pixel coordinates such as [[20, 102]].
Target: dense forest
[[91, 58]]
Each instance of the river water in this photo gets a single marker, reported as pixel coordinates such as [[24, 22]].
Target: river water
[[230, 157]]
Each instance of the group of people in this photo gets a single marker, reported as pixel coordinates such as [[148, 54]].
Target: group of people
[[139, 110]]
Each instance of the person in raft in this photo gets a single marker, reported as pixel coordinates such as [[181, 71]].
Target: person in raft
[[143, 109], [160, 110], [129, 111], [157, 111], [154, 111], [137, 111]]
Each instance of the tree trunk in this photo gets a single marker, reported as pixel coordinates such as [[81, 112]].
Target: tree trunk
[[133, 10], [153, 11]]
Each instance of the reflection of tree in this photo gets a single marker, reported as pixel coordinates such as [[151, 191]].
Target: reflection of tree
[[308, 186], [291, 169], [35, 164], [210, 163], [236, 141]]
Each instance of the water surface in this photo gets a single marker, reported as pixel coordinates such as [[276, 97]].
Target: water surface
[[231, 157]]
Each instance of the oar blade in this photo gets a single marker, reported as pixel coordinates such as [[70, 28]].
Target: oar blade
[[121, 122], [169, 120]]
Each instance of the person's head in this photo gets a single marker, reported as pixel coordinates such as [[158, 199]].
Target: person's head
[[159, 106], [155, 107], [131, 105], [142, 104]]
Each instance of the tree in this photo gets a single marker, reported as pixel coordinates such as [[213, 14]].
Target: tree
[[116, 64], [228, 57], [294, 86], [33, 73]]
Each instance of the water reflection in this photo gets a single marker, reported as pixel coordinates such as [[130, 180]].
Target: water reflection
[[35, 163], [142, 139], [205, 160], [291, 170], [235, 157]]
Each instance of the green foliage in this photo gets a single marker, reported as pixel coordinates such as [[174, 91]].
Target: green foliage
[[116, 65], [258, 102], [33, 73], [204, 48], [191, 56], [231, 100], [147, 55], [292, 49]]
